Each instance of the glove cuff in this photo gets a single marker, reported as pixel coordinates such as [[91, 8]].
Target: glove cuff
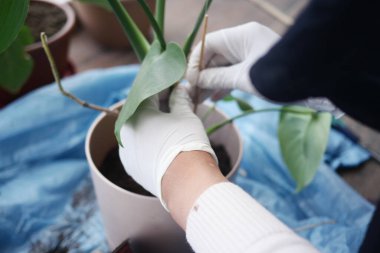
[[170, 155]]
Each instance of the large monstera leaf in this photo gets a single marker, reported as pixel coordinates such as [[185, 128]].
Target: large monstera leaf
[[303, 139], [159, 70]]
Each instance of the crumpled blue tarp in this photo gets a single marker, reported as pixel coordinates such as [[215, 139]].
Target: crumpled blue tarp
[[46, 196]]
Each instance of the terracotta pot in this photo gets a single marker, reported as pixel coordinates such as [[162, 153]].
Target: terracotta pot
[[58, 44], [104, 27], [127, 214]]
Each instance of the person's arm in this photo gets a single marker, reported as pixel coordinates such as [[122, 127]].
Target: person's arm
[[187, 177], [176, 163], [331, 51], [218, 216]]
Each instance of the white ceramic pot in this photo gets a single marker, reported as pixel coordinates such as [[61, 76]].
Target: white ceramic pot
[[126, 214]]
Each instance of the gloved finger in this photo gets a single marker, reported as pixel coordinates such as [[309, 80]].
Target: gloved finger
[[197, 95], [211, 58], [180, 101], [203, 94], [232, 77]]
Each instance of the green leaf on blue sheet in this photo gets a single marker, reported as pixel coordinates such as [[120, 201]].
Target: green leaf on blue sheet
[[303, 139]]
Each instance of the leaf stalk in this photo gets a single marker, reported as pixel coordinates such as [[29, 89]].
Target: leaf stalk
[[58, 81], [217, 126], [156, 27], [138, 41]]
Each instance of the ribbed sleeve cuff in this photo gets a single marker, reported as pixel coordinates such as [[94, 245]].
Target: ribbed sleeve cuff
[[227, 219]]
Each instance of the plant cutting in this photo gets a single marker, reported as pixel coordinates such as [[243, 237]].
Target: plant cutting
[[164, 65], [24, 65]]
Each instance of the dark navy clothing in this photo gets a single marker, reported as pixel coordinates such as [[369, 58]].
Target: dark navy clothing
[[333, 51]]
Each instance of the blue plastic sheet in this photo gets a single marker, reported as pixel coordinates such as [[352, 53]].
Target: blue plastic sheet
[[47, 199]]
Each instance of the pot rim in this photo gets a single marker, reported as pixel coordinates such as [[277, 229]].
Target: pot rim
[[102, 115], [67, 27]]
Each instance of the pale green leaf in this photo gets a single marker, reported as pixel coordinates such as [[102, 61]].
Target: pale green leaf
[[303, 139], [12, 18], [159, 70], [16, 64]]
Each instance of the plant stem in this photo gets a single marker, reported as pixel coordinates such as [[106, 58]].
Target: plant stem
[[201, 62], [138, 41], [190, 40], [215, 127], [160, 14], [58, 81], [154, 24]]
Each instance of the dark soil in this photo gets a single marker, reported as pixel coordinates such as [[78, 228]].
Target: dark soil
[[223, 158], [44, 17], [114, 171]]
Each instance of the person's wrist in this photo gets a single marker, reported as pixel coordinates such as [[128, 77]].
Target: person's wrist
[[187, 177]]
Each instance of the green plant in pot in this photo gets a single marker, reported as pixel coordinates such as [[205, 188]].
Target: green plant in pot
[[302, 132], [25, 66]]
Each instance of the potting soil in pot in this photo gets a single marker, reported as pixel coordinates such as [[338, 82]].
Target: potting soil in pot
[[44, 17], [114, 171]]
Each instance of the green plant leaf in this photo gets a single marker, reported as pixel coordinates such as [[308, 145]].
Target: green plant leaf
[[303, 139], [12, 18], [159, 70], [16, 64], [244, 106]]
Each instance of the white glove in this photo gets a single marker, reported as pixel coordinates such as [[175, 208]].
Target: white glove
[[228, 56], [152, 139]]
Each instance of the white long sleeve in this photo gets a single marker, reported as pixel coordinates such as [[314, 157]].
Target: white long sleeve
[[226, 219]]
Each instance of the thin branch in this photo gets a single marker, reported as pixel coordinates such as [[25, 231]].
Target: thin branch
[[58, 81]]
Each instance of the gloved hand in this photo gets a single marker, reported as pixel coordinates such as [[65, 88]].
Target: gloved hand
[[228, 56], [152, 139]]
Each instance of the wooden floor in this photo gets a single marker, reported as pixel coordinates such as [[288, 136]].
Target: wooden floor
[[86, 54]]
